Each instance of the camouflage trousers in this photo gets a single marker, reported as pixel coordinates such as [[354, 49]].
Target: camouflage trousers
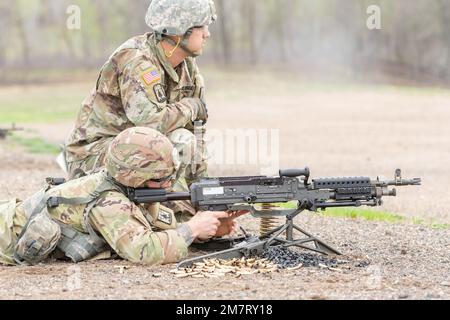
[[8, 237], [193, 166]]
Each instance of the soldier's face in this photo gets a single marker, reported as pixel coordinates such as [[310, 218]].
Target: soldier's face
[[198, 39], [159, 185]]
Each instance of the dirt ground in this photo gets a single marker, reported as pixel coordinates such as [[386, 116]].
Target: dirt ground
[[351, 132]]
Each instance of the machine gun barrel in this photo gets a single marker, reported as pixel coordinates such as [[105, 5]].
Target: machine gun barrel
[[399, 181], [155, 195]]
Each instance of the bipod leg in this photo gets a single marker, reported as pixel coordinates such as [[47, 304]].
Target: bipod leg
[[289, 227], [320, 246], [274, 234], [299, 243]]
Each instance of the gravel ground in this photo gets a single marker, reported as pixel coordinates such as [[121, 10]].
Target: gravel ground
[[349, 133], [386, 261]]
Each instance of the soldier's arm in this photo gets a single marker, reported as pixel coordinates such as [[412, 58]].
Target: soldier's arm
[[145, 101], [198, 81], [200, 169], [124, 227]]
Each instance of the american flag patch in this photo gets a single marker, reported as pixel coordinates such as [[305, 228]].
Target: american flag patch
[[151, 77]]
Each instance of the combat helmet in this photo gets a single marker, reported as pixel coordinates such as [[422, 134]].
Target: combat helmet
[[179, 17], [138, 155]]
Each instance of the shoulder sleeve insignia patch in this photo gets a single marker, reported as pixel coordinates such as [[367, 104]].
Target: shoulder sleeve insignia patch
[[160, 94], [165, 217], [151, 76]]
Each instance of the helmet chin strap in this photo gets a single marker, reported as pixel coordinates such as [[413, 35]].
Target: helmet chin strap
[[184, 44]]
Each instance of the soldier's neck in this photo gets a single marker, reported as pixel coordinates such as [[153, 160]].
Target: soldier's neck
[[178, 55]]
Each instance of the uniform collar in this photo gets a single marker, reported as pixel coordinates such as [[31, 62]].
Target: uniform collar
[[158, 49]]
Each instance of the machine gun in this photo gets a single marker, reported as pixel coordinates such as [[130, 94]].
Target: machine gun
[[5, 132], [243, 193]]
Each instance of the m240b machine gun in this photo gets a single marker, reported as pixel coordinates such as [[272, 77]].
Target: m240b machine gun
[[243, 193]]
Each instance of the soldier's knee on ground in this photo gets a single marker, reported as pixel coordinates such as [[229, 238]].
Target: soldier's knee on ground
[[185, 143], [191, 154]]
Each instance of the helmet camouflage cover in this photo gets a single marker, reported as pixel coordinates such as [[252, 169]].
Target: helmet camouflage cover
[[138, 155], [176, 17]]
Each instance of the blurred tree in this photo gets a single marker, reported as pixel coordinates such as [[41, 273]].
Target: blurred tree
[[226, 42], [443, 7], [276, 25], [248, 10], [133, 13], [320, 35], [5, 24], [18, 20]]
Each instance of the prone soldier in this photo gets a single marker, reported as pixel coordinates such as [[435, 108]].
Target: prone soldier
[[92, 215]]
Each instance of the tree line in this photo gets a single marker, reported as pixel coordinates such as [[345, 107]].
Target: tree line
[[413, 42]]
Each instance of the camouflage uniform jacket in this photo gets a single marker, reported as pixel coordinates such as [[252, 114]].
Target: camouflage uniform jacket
[[136, 87], [145, 235]]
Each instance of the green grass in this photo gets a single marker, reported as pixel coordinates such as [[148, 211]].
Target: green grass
[[371, 215], [442, 226], [431, 223], [366, 214], [41, 104], [36, 145], [354, 213]]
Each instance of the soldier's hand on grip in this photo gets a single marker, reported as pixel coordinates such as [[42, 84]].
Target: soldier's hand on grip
[[205, 224]]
